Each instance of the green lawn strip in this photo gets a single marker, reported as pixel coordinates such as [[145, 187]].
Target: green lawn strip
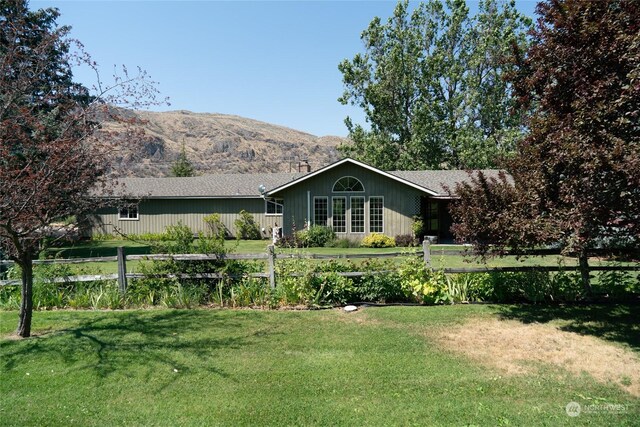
[[247, 367]]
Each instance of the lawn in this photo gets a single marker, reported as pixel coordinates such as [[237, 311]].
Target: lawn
[[378, 366]]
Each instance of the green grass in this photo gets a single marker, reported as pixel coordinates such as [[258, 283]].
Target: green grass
[[225, 367]]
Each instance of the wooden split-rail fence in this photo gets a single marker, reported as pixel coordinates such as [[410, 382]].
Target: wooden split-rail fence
[[426, 253]]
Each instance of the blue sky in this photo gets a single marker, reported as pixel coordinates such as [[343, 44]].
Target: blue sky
[[266, 60]]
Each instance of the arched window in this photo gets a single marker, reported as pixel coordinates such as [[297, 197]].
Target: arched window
[[348, 184]]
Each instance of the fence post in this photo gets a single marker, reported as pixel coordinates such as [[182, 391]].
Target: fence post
[[426, 252], [122, 270], [272, 266]]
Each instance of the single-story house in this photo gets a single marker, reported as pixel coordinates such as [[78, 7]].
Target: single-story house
[[353, 198]]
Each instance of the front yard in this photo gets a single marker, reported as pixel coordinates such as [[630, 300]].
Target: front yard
[[378, 366]]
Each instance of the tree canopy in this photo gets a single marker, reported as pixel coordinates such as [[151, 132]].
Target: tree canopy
[[430, 83], [576, 179], [50, 159]]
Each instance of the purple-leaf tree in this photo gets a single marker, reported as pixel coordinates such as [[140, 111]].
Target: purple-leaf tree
[[53, 160], [576, 175]]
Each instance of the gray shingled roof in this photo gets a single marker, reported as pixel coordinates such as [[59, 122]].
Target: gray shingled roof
[[438, 180], [218, 185], [246, 185]]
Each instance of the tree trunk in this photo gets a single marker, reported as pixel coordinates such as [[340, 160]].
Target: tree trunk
[[26, 304], [584, 271]]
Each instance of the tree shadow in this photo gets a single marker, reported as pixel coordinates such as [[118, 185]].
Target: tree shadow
[[143, 344], [618, 323]]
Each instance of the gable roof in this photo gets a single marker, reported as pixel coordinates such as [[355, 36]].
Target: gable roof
[[237, 185], [205, 186], [355, 162], [439, 180], [432, 182]]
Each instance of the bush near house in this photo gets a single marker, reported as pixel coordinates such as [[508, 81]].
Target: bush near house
[[316, 236], [246, 227], [377, 240]]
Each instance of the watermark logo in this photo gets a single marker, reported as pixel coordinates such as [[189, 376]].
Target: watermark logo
[[573, 409]]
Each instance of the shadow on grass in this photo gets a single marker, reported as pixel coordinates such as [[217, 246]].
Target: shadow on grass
[[96, 249], [142, 344], [618, 323]]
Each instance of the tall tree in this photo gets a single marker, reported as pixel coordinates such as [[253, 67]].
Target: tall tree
[[576, 179], [182, 166], [430, 84], [50, 158]]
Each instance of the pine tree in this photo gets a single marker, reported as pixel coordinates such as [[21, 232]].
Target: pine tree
[[182, 166]]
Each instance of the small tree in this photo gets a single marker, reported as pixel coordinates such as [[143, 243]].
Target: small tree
[[182, 166], [575, 176], [51, 160]]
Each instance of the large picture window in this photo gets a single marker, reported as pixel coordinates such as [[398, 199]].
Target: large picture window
[[348, 184], [274, 206], [320, 210], [339, 214], [128, 213], [376, 214], [357, 214]]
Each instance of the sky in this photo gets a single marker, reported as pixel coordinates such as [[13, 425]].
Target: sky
[[273, 61]]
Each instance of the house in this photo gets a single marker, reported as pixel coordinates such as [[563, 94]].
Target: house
[[353, 198]]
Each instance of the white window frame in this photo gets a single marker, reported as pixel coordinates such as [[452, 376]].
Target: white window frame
[[128, 217], [369, 213], [277, 204], [326, 198], [346, 224], [333, 190], [364, 215]]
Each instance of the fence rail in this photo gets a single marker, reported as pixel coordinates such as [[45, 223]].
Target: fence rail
[[426, 253]]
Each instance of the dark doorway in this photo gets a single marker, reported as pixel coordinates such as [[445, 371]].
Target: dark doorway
[[437, 219]]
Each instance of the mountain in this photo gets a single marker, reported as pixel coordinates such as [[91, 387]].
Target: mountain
[[216, 143]]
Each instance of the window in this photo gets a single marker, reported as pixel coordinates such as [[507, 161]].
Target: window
[[376, 214], [128, 213], [339, 212], [274, 206], [320, 210], [432, 216], [357, 214], [346, 184]]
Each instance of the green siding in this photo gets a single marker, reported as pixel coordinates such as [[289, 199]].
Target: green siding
[[156, 214], [401, 202]]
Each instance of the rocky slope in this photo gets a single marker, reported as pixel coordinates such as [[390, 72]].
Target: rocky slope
[[218, 143]]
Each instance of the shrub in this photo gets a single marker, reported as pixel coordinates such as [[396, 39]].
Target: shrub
[[417, 227], [215, 226], [316, 236], [378, 240], [380, 287], [178, 240], [246, 227], [405, 240]]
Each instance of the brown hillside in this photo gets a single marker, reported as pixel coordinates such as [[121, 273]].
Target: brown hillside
[[217, 143]]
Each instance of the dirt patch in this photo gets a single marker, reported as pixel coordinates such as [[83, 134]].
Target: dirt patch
[[511, 347]]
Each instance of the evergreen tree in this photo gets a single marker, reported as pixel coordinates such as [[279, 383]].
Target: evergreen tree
[[182, 166]]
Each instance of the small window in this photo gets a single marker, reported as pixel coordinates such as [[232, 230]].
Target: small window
[[128, 213], [274, 206], [348, 184], [320, 210]]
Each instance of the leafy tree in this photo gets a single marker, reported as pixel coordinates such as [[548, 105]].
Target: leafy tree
[[575, 176], [51, 159], [430, 84], [182, 165]]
